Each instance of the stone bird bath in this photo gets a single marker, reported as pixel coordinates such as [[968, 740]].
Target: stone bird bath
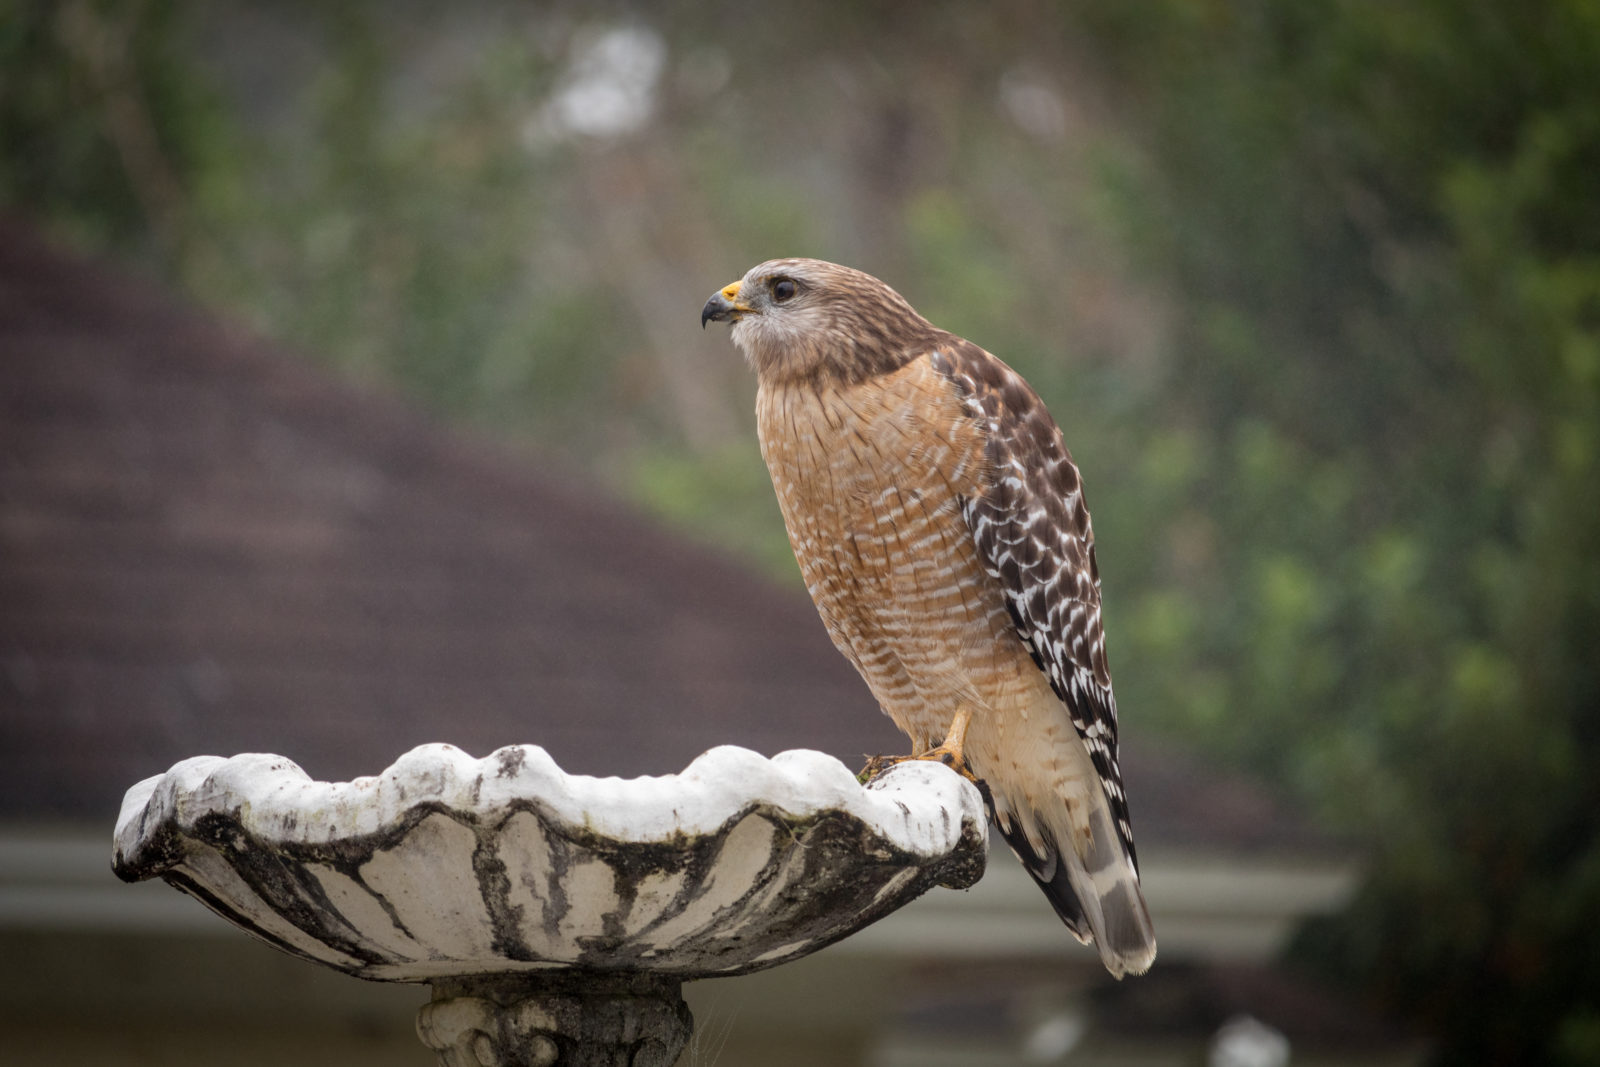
[[556, 916]]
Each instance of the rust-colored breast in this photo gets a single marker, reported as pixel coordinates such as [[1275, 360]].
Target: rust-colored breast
[[869, 477]]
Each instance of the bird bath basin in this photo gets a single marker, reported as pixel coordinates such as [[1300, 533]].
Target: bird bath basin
[[556, 916]]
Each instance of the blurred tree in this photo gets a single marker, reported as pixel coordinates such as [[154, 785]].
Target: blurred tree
[[506, 209], [1382, 225], [97, 119]]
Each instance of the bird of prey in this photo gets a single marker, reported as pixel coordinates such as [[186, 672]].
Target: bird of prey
[[940, 525]]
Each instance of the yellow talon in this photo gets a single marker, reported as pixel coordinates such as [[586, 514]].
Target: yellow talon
[[949, 752]]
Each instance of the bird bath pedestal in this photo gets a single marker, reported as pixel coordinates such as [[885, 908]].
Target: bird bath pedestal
[[556, 916]]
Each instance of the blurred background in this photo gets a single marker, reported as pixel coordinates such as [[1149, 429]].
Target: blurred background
[[1312, 287]]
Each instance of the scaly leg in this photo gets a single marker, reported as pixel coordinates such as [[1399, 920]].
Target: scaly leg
[[949, 752]]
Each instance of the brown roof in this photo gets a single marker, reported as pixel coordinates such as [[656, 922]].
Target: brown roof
[[207, 546]]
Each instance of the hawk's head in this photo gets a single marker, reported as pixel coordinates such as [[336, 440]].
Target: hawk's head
[[803, 318]]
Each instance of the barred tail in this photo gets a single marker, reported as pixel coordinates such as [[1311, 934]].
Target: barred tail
[[1096, 893]]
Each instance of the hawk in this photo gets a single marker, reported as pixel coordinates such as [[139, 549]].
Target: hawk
[[940, 525]]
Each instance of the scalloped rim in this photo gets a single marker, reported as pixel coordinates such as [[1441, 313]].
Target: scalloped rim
[[921, 807]]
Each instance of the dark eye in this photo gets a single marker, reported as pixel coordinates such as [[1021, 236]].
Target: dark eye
[[783, 289]]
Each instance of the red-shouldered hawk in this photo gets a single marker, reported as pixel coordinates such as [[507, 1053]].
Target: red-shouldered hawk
[[940, 525]]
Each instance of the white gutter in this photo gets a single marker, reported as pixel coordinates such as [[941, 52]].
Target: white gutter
[[1205, 906], [62, 880]]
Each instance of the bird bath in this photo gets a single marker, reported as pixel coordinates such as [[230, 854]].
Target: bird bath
[[556, 916]]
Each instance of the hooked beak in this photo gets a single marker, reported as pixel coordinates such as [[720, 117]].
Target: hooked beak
[[723, 306]]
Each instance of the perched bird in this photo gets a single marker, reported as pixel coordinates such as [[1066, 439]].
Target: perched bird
[[940, 526]]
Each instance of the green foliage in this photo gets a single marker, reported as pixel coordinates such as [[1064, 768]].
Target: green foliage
[[1382, 225], [98, 109]]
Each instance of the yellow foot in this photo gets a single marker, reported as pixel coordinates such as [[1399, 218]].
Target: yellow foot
[[950, 757], [948, 753]]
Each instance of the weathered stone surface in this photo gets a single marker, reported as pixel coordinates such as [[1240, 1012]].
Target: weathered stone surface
[[444, 865], [574, 1019]]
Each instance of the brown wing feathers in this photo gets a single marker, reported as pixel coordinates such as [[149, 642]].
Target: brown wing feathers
[[1033, 533]]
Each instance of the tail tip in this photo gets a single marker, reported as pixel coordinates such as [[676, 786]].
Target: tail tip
[[1135, 962], [1126, 938]]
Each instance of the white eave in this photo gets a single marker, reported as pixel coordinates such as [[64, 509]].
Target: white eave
[[1206, 906]]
